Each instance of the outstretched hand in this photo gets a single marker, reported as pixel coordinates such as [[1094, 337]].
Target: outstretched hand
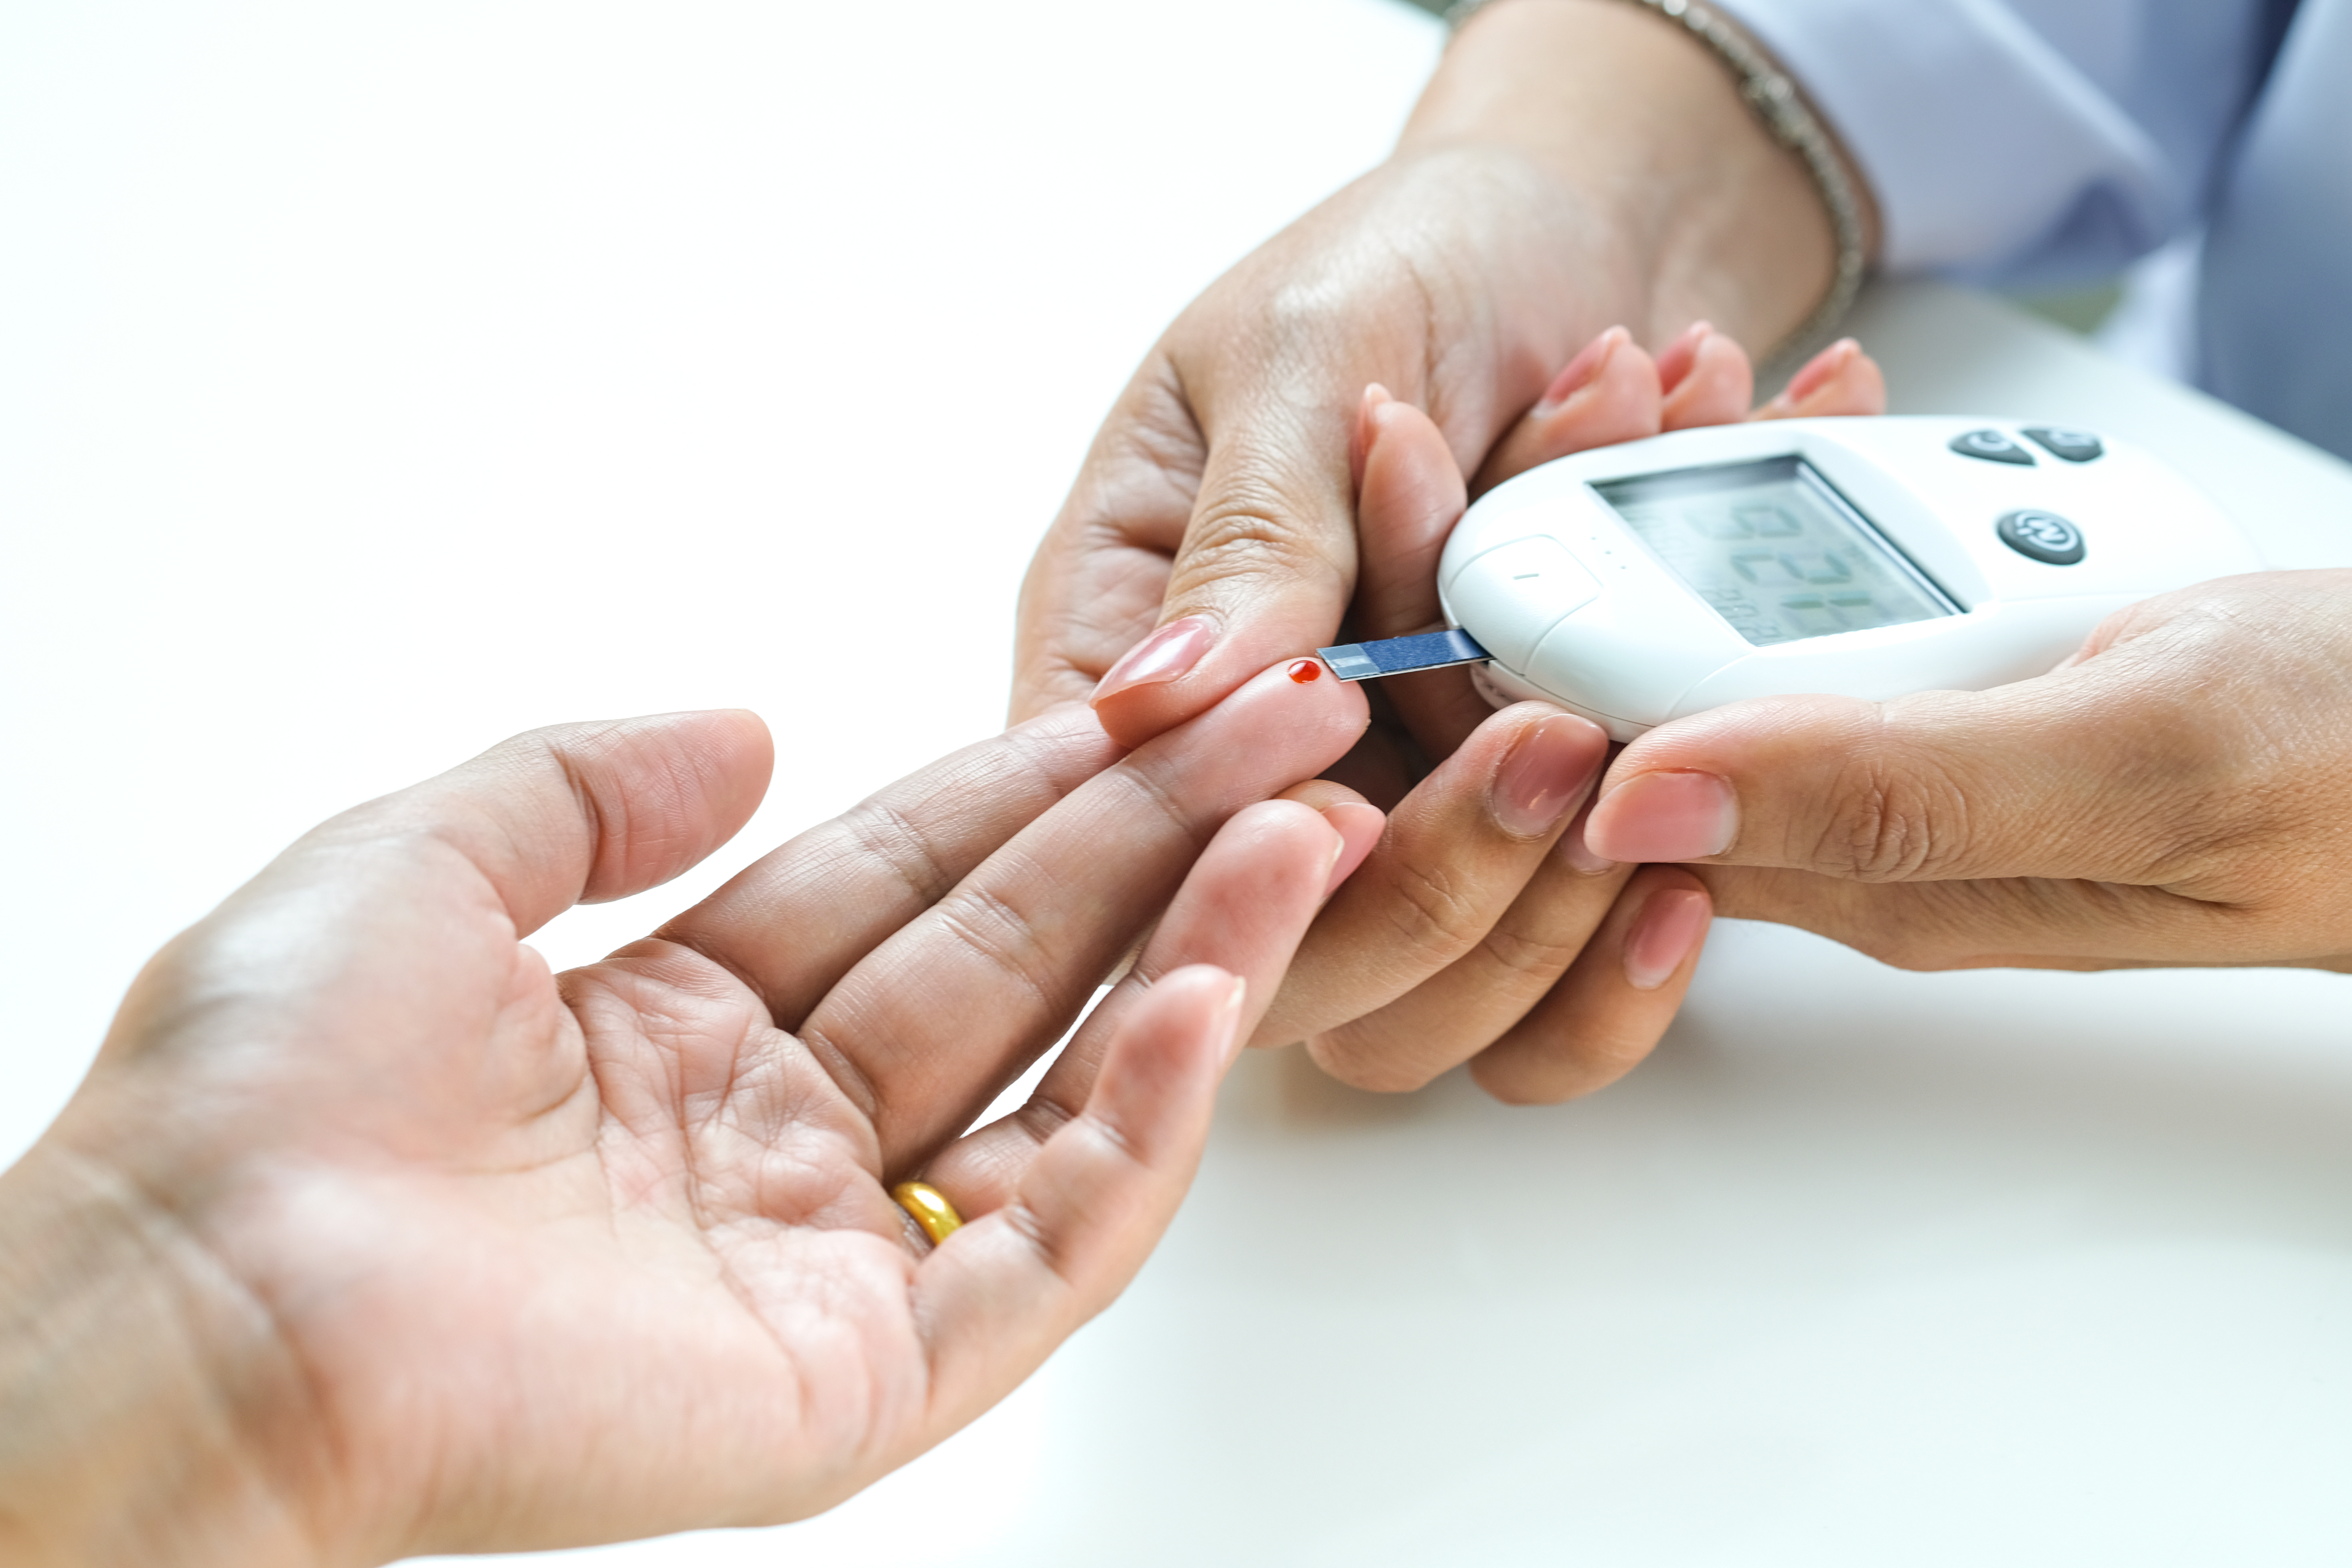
[[370, 1237]]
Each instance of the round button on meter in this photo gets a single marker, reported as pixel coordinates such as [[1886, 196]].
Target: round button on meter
[[2042, 536]]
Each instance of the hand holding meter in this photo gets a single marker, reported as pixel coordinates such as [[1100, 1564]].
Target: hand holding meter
[[1865, 557]]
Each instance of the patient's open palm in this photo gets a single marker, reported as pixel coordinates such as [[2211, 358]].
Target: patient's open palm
[[495, 1258]]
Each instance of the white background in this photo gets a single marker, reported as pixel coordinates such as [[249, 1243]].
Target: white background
[[377, 380]]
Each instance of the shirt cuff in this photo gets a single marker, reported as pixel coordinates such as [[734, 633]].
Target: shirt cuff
[[1979, 140]]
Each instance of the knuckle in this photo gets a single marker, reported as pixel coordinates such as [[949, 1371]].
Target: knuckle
[[1521, 956], [1242, 534], [1433, 918], [1892, 822], [886, 836], [999, 934]]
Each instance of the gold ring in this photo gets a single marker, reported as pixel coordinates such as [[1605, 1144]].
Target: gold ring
[[931, 1208]]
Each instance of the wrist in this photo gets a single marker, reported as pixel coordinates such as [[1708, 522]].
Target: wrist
[[1645, 130], [136, 1379]]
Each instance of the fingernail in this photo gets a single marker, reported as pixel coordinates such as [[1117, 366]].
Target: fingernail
[[1572, 847], [1370, 821], [1584, 368], [1680, 356], [1544, 773], [1229, 1018], [1360, 434], [1670, 816], [1821, 370], [1164, 656], [1669, 926]]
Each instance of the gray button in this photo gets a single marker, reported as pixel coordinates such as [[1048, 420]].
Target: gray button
[[1993, 446], [2042, 536], [2074, 446]]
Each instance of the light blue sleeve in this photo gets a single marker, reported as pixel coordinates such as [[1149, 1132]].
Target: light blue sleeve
[[2032, 142]]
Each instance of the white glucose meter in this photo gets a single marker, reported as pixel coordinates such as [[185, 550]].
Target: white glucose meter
[[1865, 557]]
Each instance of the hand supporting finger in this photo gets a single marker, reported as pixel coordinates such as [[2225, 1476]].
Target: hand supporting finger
[[1462, 1009], [1609, 1010], [1458, 852]]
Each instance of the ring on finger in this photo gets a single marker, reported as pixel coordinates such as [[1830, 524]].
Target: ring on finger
[[930, 1209]]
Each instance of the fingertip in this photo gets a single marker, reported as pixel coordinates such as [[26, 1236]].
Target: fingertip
[[1361, 434], [1818, 370], [1607, 1014], [1609, 394], [1590, 363], [1359, 824], [663, 791], [1665, 936], [1715, 388], [1839, 381], [1663, 815], [1160, 1070], [1677, 358], [1205, 1001], [1153, 689]]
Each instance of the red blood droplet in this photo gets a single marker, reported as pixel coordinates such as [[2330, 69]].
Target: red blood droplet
[[1307, 669]]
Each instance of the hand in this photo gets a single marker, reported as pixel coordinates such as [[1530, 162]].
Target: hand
[[369, 1237], [1572, 165], [2178, 792], [1483, 927]]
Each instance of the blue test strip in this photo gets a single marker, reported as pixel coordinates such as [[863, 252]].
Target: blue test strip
[[1402, 655]]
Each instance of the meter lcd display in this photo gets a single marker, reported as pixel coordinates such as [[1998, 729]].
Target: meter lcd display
[[1774, 550]]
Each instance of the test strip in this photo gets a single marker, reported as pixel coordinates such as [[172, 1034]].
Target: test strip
[[1402, 655]]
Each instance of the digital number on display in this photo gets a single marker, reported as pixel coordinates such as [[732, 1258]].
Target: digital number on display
[[1775, 550]]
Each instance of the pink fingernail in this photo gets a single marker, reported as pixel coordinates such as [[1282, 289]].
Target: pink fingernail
[[1551, 765], [1572, 847], [1669, 926], [1681, 357], [1584, 369], [1226, 1026], [1667, 817], [1821, 370], [1166, 655], [1360, 434], [1360, 825]]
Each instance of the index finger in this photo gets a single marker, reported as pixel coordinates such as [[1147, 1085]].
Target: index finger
[[954, 1004]]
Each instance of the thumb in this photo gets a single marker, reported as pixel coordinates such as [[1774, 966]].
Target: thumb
[[578, 813], [2080, 773], [1264, 572]]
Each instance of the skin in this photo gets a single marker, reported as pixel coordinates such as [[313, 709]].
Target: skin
[[368, 1237], [1468, 934], [1575, 164], [2178, 792]]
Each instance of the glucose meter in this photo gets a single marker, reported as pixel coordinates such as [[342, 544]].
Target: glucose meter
[[1865, 557]]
